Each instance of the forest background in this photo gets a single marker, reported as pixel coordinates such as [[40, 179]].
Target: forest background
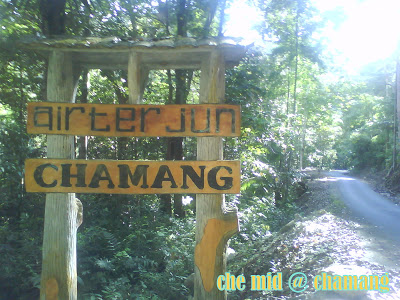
[[299, 110]]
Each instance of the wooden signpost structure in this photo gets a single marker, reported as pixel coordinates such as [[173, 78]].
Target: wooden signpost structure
[[60, 175]]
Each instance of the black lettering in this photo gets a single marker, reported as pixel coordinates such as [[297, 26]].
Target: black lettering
[[182, 129], [193, 125], [212, 178], [119, 119], [43, 110], [97, 176], [197, 180], [38, 175], [160, 177], [59, 118], [93, 115], [143, 113], [140, 172], [233, 118], [80, 175], [68, 112]]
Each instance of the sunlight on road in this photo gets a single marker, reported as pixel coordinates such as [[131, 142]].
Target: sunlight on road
[[334, 179]]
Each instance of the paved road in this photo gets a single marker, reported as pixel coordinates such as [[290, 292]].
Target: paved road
[[369, 205]]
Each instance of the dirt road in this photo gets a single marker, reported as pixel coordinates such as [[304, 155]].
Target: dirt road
[[332, 237], [368, 205]]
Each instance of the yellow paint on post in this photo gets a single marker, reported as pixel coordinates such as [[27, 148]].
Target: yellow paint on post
[[51, 289], [205, 251]]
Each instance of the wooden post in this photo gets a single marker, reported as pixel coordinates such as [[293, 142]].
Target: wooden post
[[137, 78], [214, 223], [63, 212]]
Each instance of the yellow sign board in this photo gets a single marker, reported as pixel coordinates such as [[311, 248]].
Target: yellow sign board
[[133, 120], [132, 177]]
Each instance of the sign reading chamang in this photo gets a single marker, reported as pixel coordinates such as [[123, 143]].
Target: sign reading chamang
[[133, 120], [132, 177]]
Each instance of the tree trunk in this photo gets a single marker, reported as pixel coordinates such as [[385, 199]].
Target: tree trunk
[[183, 80], [63, 211], [222, 19], [291, 159], [53, 16], [303, 140], [215, 224], [296, 64], [181, 18], [122, 141], [211, 10], [166, 199], [175, 145], [396, 125]]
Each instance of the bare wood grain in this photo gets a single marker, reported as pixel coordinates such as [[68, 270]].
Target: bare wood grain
[[60, 221], [211, 207]]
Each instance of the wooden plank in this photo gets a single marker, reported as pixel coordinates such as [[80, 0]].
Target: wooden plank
[[134, 120], [132, 177]]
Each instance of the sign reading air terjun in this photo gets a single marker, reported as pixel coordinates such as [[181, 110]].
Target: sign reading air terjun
[[132, 177], [134, 120]]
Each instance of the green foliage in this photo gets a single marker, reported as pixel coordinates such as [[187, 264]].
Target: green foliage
[[21, 214], [144, 260], [367, 125]]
